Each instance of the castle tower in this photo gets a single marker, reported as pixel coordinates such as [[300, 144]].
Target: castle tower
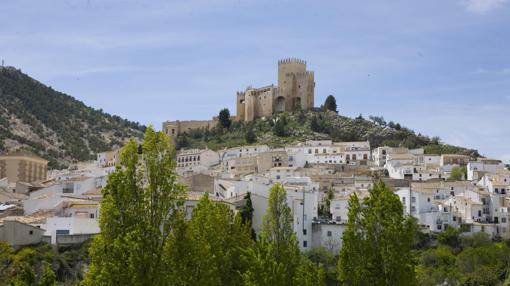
[[296, 86]]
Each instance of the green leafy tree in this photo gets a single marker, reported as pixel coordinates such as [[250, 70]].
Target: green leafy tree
[[458, 173], [277, 255], [323, 258], [485, 265], [224, 118], [216, 239], [437, 267], [450, 237], [330, 103], [48, 277], [377, 243], [309, 274], [6, 256], [140, 206]]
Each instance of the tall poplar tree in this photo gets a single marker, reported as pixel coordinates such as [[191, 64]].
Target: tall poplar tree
[[277, 256], [141, 202], [215, 239], [377, 244]]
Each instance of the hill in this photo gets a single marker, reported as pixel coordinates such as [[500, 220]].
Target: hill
[[54, 125], [284, 128]]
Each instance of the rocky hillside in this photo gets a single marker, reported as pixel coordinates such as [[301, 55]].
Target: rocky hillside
[[54, 125], [282, 129]]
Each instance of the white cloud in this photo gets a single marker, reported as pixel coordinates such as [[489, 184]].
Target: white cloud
[[492, 71], [483, 6]]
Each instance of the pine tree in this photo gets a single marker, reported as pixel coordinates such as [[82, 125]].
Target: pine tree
[[246, 213], [224, 118], [330, 103], [377, 243], [140, 205]]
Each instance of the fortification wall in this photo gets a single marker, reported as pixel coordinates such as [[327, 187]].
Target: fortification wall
[[173, 128]]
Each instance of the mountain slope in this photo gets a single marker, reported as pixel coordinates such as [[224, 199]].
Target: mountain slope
[[55, 125], [317, 125]]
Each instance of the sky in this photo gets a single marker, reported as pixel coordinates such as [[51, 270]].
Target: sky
[[440, 67]]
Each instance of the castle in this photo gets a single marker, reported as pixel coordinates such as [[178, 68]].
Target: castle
[[295, 91]]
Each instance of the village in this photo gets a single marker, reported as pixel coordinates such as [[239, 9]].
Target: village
[[62, 207]]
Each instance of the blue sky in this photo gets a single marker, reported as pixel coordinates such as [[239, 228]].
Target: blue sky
[[441, 67]]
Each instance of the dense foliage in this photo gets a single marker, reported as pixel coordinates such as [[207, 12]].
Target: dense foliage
[[377, 243], [55, 125], [284, 128], [42, 265], [458, 173], [465, 260]]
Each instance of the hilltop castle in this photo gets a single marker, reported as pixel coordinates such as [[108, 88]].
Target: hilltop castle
[[295, 91]]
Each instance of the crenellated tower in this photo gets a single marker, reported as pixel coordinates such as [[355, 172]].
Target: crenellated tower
[[295, 91]]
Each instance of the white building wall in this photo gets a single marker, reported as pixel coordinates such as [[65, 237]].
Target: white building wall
[[71, 224]]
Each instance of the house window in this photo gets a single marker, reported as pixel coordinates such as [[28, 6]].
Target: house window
[[413, 199], [68, 188], [503, 219], [304, 231], [31, 232], [404, 200], [91, 215], [329, 233], [62, 231], [428, 199], [305, 243], [338, 218]]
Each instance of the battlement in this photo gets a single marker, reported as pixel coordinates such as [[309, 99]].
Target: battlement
[[291, 60]]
